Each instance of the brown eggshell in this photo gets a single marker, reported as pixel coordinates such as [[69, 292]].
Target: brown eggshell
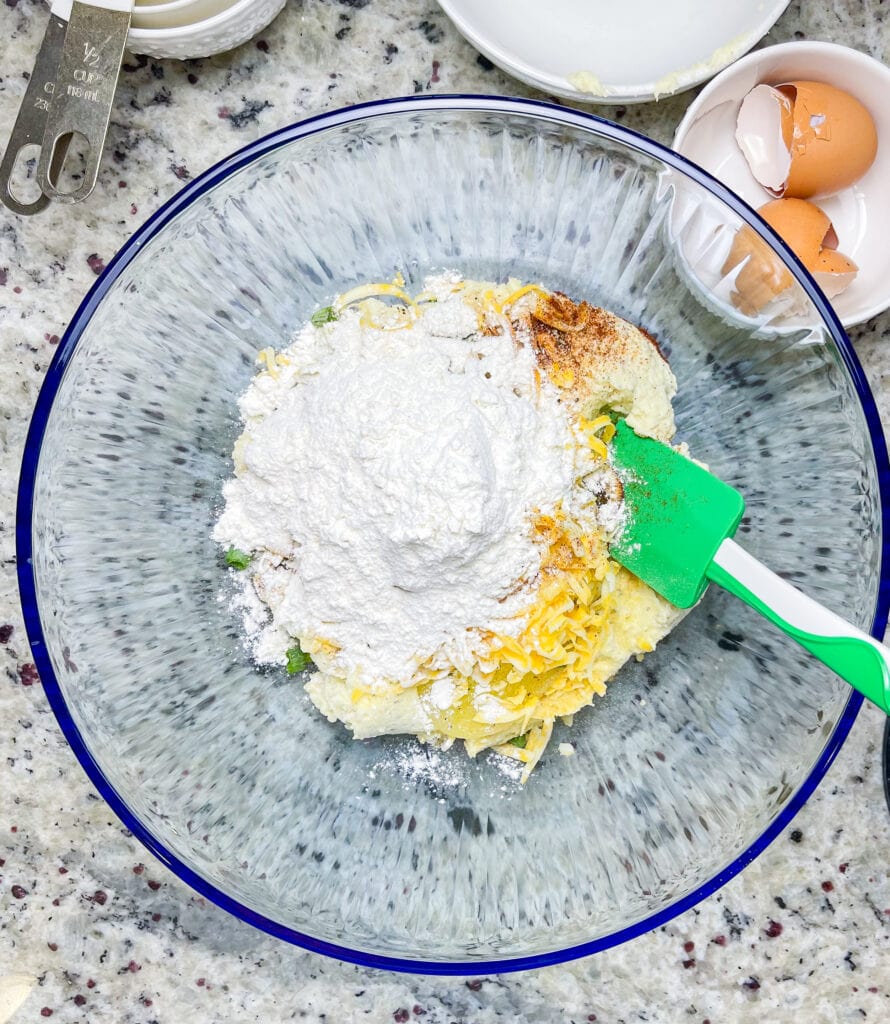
[[763, 275], [834, 140], [833, 272], [832, 262], [761, 278], [801, 224]]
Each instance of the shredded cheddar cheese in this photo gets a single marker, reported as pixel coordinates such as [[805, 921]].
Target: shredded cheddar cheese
[[527, 289], [370, 291]]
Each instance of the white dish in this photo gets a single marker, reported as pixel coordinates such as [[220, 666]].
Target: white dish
[[216, 34], [860, 213], [628, 52]]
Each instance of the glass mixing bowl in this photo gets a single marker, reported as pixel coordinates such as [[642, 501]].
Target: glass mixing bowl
[[383, 852]]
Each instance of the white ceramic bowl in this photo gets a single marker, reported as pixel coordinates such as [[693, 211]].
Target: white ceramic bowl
[[616, 53], [177, 13], [216, 34], [860, 213]]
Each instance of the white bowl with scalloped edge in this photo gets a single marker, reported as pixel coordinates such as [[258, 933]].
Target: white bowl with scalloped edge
[[176, 13], [215, 34]]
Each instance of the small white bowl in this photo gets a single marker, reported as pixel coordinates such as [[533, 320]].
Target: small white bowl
[[177, 13], [860, 213], [216, 34]]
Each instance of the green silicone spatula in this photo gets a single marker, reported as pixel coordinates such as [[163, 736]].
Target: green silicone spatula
[[678, 538]]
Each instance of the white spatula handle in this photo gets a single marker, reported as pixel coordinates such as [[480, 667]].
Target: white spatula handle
[[853, 654]]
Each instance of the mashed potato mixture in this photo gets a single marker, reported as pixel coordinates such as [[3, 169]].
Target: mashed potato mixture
[[422, 507]]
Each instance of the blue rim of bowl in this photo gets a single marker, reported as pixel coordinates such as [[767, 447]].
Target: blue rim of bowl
[[152, 227]]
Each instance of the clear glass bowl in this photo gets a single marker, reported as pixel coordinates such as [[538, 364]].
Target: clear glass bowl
[[381, 852]]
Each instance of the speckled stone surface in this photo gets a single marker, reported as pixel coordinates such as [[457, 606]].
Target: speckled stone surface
[[803, 934]]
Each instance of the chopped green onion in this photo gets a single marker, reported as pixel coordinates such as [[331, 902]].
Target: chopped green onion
[[236, 559], [519, 741], [297, 660], [325, 315]]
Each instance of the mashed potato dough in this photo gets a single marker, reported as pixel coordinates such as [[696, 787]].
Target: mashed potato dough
[[423, 503]]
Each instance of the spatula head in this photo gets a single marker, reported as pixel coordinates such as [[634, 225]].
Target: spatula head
[[678, 514]]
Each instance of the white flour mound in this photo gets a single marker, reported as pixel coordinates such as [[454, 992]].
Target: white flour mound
[[385, 481]]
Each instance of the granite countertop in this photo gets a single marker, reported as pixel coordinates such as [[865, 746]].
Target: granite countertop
[[802, 934]]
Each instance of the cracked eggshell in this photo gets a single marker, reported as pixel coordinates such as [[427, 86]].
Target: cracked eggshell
[[762, 275], [834, 272], [764, 129], [803, 139], [760, 278]]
